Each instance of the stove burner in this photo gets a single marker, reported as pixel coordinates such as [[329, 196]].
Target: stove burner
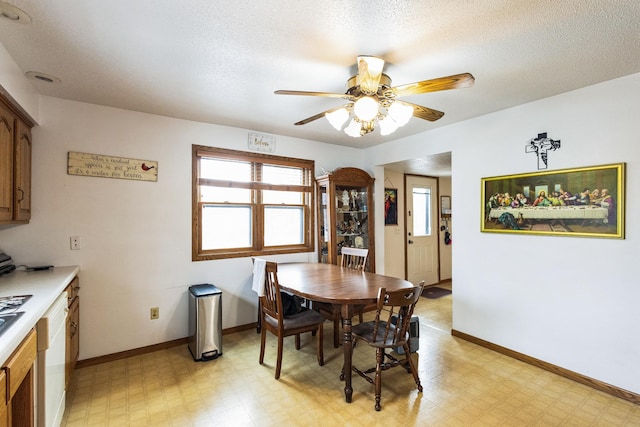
[[6, 320], [9, 304]]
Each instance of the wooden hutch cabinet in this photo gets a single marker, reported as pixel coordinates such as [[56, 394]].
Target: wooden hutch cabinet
[[345, 214]]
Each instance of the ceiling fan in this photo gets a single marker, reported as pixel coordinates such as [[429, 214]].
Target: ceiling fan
[[373, 100]]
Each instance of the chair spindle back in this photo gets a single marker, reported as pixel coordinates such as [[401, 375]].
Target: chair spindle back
[[355, 258], [272, 300]]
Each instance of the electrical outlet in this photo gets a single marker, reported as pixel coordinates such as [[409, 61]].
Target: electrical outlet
[[155, 313], [75, 243]]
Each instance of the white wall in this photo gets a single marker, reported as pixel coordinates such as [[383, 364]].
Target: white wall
[[14, 84], [569, 301], [445, 251], [394, 259], [135, 236]]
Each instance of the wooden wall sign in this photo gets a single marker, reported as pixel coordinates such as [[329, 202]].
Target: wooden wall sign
[[85, 164]]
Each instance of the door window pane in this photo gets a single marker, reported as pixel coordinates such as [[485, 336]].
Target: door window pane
[[421, 211]]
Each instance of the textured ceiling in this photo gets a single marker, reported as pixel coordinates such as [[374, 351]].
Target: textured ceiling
[[220, 61]]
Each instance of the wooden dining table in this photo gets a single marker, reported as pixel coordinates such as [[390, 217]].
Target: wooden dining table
[[345, 288]]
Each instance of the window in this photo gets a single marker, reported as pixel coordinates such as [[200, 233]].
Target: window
[[421, 211], [247, 204]]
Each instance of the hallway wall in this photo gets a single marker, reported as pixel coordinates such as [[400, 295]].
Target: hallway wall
[[568, 301]]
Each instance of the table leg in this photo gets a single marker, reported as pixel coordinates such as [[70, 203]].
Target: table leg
[[347, 313]]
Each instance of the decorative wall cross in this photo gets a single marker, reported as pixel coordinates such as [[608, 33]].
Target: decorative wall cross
[[541, 146]]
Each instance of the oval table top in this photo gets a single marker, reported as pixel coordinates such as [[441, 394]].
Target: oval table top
[[334, 284]]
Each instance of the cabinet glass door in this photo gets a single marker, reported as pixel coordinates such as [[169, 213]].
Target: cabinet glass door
[[324, 236], [351, 218]]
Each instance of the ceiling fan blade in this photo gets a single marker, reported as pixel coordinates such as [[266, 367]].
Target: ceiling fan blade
[[317, 116], [305, 93], [369, 73], [424, 113], [457, 81]]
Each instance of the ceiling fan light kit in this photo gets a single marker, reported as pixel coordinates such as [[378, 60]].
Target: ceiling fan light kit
[[366, 108], [373, 101], [338, 118], [400, 113]]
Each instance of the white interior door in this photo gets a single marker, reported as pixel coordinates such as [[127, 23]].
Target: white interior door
[[422, 233]]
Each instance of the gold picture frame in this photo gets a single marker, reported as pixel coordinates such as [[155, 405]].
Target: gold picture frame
[[567, 202]]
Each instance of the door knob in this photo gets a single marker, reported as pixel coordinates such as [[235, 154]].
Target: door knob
[[410, 242]]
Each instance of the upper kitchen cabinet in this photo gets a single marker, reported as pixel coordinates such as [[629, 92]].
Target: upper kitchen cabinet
[[345, 214], [22, 173], [15, 167]]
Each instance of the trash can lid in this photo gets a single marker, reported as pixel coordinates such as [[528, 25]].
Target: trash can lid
[[204, 289]]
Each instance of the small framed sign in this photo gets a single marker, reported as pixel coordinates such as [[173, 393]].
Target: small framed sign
[[259, 142], [445, 206]]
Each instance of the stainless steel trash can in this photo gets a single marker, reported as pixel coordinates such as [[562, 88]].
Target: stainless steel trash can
[[205, 322]]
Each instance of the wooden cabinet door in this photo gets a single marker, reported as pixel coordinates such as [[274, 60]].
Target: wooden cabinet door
[[7, 122], [4, 413], [22, 164], [73, 337], [20, 382]]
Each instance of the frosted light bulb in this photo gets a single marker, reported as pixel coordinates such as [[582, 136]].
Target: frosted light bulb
[[353, 129], [338, 118], [366, 108], [400, 113]]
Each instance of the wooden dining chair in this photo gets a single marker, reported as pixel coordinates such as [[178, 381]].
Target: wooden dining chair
[[274, 320], [356, 259], [389, 330]]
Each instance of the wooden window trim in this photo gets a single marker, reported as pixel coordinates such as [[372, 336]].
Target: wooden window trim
[[198, 151]]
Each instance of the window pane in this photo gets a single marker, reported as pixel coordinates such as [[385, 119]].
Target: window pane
[[282, 175], [283, 225], [224, 194], [226, 227], [282, 197], [229, 170], [421, 212]]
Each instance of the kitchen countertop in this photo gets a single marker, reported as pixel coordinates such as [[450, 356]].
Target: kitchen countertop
[[45, 286]]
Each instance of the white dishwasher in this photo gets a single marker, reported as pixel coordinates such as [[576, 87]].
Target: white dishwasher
[[51, 364]]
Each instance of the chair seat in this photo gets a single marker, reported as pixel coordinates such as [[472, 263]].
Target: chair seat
[[365, 331], [298, 320]]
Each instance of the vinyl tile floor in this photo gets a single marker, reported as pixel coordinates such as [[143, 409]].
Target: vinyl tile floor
[[464, 385]]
